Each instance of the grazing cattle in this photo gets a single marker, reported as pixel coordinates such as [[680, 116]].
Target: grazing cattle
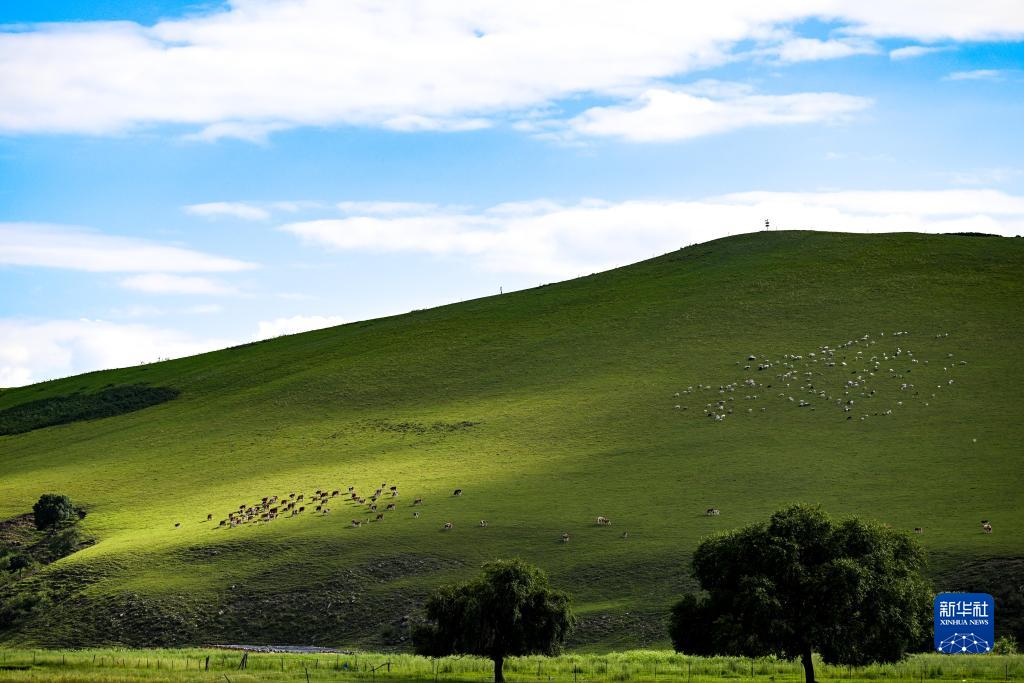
[[302, 508], [565, 538], [356, 522], [394, 488], [918, 530], [326, 510], [712, 512], [351, 488], [335, 492], [380, 516], [394, 494], [418, 501], [457, 492], [603, 521], [483, 522], [291, 495], [319, 508], [355, 496], [416, 514], [625, 534], [300, 496], [209, 516], [447, 526], [987, 528], [177, 524], [373, 507], [390, 506]]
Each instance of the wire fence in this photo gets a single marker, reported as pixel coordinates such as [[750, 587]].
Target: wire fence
[[642, 666]]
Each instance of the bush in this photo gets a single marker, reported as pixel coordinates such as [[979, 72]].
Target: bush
[[51, 509], [1006, 645]]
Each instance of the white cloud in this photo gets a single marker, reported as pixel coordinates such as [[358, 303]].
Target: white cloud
[[558, 240], [986, 176], [978, 75], [36, 351], [241, 210], [661, 114], [813, 50], [247, 131], [59, 246], [295, 324], [163, 283], [252, 67], [914, 51], [386, 208], [205, 309]]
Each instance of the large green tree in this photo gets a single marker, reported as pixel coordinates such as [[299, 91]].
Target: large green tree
[[508, 610], [852, 591]]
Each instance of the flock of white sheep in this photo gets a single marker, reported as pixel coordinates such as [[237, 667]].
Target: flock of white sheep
[[869, 376]]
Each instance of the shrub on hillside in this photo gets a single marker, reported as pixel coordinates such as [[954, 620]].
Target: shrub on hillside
[[52, 509]]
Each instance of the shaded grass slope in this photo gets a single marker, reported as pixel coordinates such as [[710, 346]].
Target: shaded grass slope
[[548, 407]]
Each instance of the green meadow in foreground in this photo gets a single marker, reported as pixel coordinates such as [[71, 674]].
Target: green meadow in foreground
[[548, 407], [641, 666]]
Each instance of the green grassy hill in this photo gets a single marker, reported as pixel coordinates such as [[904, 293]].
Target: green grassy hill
[[548, 407]]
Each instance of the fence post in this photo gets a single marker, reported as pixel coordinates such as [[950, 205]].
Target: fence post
[[207, 662]]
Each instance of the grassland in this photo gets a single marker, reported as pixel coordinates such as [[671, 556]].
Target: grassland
[[547, 407], [636, 666]]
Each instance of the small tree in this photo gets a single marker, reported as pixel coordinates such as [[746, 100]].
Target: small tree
[[19, 563], [509, 610], [53, 508], [852, 591]]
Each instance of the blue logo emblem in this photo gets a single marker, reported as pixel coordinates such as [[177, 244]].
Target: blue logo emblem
[[964, 623]]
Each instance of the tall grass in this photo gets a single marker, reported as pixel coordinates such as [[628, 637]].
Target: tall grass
[[641, 666]]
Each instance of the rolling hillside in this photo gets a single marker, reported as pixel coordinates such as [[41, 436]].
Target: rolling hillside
[[548, 407]]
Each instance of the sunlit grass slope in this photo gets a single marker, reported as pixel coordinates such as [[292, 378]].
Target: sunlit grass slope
[[548, 407]]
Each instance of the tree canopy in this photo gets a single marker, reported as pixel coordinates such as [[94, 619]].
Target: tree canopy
[[51, 509], [508, 610], [853, 591]]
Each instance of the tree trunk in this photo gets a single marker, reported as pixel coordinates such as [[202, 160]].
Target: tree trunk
[[499, 666], [808, 663]]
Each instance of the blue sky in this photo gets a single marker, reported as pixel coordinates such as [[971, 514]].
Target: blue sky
[[176, 176]]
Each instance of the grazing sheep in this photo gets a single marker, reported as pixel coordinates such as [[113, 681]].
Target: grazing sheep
[[457, 492], [603, 521], [448, 526], [712, 512]]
